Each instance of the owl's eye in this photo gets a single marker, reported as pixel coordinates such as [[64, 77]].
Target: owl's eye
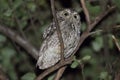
[[75, 16], [66, 14]]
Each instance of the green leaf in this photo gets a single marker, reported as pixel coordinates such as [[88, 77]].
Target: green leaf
[[51, 77], [2, 38], [23, 24], [103, 75], [86, 51], [117, 2], [28, 76], [17, 4], [86, 58], [97, 44], [110, 41], [93, 62], [8, 13], [74, 64], [118, 18], [6, 56], [83, 26], [7, 53], [3, 5], [94, 10], [42, 2], [32, 6]]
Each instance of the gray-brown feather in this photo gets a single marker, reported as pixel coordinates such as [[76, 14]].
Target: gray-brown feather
[[49, 53]]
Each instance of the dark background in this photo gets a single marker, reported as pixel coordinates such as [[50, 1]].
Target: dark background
[[29, 18]]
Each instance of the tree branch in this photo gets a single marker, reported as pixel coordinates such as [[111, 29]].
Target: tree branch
[[116, 42], [59, 73], [91, 26], [60, 39], [3, 76], [19, 40], [87, 16], [54, 68], [58, 30]]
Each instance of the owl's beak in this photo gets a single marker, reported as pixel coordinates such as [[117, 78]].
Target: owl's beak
[[72, 19]]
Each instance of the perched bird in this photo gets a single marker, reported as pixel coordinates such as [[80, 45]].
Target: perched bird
[[69, 22]]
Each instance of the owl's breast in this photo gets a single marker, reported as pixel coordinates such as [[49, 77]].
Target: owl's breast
[[71, 38]]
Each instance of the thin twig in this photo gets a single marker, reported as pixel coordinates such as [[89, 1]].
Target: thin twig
[[82, 70], [55, 67], [58, 30], [106, 54], [19, 27], [101, 17], [59, 73], [116, 42], [85, 12], [3, 75], [101, 31], [94, 32]]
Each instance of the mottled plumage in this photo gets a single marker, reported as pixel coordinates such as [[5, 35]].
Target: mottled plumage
[[69, 22]]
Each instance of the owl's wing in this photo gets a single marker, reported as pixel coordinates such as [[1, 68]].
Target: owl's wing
[[49, 52], [49, 31]]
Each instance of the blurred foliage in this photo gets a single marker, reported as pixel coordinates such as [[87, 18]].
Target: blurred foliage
[[28, 76], [51, 77], [29, 18]]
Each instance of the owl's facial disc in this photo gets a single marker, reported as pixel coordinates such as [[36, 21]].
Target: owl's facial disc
[[68, 15]]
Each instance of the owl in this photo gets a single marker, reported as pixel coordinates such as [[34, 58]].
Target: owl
[[69, 22]]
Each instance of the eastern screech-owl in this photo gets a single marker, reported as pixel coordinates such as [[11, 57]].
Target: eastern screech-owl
[[69, 22]]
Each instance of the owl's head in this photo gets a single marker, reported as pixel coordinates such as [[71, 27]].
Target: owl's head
[[68, 15]]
